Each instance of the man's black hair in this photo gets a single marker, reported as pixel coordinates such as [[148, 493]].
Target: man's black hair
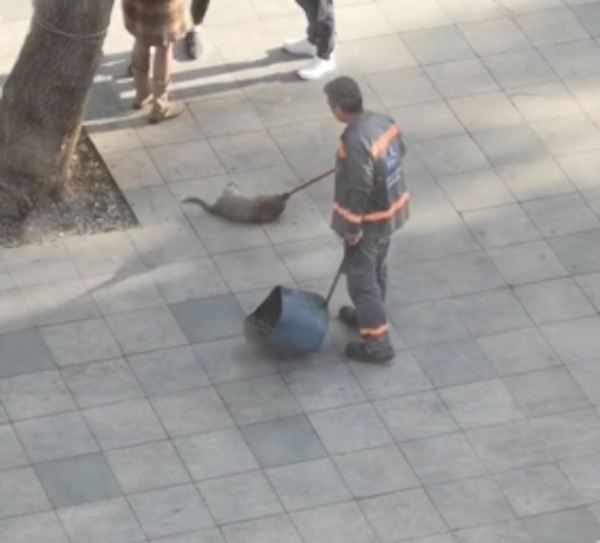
[[344, 92]]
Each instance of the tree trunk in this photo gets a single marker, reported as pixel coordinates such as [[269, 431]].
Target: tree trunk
[[43, 100]]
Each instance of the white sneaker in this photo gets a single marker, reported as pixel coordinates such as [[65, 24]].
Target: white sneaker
[[300, 47], [317, 68]]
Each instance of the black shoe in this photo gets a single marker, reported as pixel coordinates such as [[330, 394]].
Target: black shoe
[[192, 45], [348, 316], [368, 352]]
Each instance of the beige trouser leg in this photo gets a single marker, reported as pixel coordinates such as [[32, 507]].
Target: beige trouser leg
[[141, 77], [163, 108]]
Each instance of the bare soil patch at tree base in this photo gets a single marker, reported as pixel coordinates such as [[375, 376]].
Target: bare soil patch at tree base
[[91, 203]]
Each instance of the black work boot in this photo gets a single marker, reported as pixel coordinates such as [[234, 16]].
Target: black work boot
[[370, 351], [193, 47], [348, 316]]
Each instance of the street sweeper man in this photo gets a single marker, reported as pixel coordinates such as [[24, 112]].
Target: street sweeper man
[[370, 204]]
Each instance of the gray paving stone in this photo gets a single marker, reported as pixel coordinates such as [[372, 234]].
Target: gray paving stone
[[454, 363], [543, 101], [251, 269], [190, 160], [107, 521], [191, 411], [590, 284], [376, 471], [576, 526], [102, 383], [405, 514], [33, 528], [403, 87], [147, 467], [240, 497], [34, 395], [438, 44], [12, 454], [509, 446], [170, 511], [551, 27], [568, 135], [574, 341], [416, 416], [582, 473], [344, 523], [271, 529], [587, 376], [250, 150], [233, 359], [491, 312], [129, 293], [429, 458], [182, 129], [225, 115], [518, 351], [501, 226], [561, 215], [215, 454], [124, 424], [535, 178], [510, 145], [487, 111], [210, 319], [313, 259], [475, 190], [452, 155], [538, 490], [554, 301], [469, 503], [418, 15], [461, 78], [428, 323], [324, 387], [481, 404], [54, 437], [85, 341], [211, 535], [153, 205], [578, 252], [74, 481], [361, 54], [308, 484], [165, 244], [133, 169], [169, 370], [495, 36], [21, 493], [428, 121], [575, 59], [580, 168], [570, 434], [189, 280], [443, 538], [471, 11], [546, 391], [283, 441], [23, 352], [350, 428], [528, 262], [589, 17], [519, 68], [146, 330], [259, 399], [512, 531], [14, 315]]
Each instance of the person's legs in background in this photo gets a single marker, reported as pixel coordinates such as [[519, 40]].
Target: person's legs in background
[[319, 41], [193, 39], [162, 107], [140, 68]]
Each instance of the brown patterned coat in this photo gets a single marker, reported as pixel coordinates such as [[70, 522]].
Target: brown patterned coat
[[157, 22]]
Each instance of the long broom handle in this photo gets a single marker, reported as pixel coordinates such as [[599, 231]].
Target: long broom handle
[[311, 182], [336, 279]]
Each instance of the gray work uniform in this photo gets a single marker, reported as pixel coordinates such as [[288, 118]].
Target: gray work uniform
[[370, 195]]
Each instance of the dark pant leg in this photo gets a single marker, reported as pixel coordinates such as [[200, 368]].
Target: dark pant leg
[[363, 286], [321, 25], [199, 8], [382, 267]]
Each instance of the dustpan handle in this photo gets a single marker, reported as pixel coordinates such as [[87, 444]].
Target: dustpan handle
[[336, 278]]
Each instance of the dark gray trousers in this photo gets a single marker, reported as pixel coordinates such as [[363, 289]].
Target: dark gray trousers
[[321, 25], [366, 272]]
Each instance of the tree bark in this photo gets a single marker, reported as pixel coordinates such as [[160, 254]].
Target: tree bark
[[43, 100]]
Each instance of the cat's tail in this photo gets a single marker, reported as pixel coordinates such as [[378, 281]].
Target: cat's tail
[[198, 201]]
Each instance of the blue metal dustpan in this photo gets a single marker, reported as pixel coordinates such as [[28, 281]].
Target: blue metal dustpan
[[292, 321]]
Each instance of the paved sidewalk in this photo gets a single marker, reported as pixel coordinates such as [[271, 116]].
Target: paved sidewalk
[[131, 409]]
